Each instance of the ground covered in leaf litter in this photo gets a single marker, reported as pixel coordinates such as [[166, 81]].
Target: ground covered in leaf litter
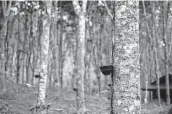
[[19, 99], [154, 108]]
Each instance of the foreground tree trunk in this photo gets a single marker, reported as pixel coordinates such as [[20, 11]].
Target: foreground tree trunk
[[44, 55], [80, 11], [127, 73]]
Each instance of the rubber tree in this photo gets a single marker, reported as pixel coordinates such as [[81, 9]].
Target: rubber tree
[[46, 19], [3, 29], [81, 13], [166, 7]]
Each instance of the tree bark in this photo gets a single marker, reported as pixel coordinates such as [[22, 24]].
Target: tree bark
[[44, 55], [81, 11], [4, 21]]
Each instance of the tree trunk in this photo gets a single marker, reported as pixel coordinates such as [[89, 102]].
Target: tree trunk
[[54, 35], [18, 52], [81, 65], [80, 11], [147, 74], [22, 68], [6, 53], [165, 18], [60, 56], [75, 73], [27, 69], [44, 56], [4, 21], [157, 71]]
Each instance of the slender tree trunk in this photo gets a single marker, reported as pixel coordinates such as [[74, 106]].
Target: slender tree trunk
[[46, 18], [165, 18], [18, 59], [56, 78], [148, 33], [156, 58], [146, 76], [158, 75], [25, 43], [31, 50], [61, 55], [89, 62], [23, 69], [81, 11], [6, 53], [150, 68], [6, 10], [54, 36], [81, 54], [76, 76], [36, 37], [98, 62], [18, 52]]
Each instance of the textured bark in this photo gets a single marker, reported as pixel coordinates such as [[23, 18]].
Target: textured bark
[[44, 55], [127, 71], [80, 11]]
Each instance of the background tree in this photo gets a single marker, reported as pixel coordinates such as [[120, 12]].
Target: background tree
[[154, 35], [81, 13], [4, 35], [79, 40]]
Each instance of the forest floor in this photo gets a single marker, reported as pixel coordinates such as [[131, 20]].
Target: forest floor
[[19, 99], [154, 108]]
